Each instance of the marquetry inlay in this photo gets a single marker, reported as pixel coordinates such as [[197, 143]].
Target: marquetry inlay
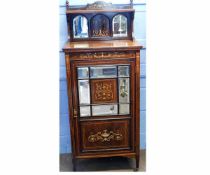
[[103, 55], [104, 91], [105, 136], [99, 33]]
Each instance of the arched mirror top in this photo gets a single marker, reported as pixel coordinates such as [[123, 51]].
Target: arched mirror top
[[119, 26], [100, 26], [80, 27], [100, 21]]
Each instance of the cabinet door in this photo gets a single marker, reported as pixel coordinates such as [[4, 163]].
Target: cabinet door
[[104, 104]]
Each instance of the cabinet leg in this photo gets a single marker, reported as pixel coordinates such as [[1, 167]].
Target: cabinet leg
[[137, 163], [74, 164]]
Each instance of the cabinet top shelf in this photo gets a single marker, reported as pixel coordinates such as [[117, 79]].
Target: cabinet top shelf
[[79, 11], [101, 45]]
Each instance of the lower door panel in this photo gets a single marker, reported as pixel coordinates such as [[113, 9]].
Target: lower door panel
[[105, 135]]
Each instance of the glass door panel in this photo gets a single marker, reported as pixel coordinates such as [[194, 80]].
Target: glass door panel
[[104, 90]]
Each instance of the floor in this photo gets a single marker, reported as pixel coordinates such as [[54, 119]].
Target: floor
[[118, 164]]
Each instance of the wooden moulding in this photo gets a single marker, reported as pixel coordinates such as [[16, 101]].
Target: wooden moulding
[[130, 155], [79, 11], [103, 49], [102, 55]]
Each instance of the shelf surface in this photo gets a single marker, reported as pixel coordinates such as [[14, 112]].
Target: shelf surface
[[114, 44]]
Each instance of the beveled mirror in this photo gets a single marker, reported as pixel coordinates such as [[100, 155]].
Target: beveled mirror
[[80, 27], [119, 25]]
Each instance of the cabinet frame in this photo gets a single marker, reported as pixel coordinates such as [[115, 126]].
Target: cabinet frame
[[94, 56]]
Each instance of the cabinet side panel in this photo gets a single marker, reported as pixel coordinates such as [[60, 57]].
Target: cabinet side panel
[[137, 115], [70, 103]]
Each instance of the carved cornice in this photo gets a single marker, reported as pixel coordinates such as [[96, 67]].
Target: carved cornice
[[99, 5]]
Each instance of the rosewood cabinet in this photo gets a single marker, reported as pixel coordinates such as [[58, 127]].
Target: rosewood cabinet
[[103, 93]]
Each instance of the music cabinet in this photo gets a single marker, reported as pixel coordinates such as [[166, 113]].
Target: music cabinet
[[103, 79]]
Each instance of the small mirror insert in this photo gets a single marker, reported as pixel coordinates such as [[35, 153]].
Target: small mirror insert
[[123, 71], [84, 92], [82, 72], [124, 109], [84, 111]]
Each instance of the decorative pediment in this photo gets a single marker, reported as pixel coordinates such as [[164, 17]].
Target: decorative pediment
[[98, 5]]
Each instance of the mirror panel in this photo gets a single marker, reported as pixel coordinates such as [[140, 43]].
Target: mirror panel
[[124, 90], [103, 72], [84, 92], [104, 110], [119, 25], [84, 111], [100, 26], [123, 71], [124, 108], [82, 72], [80, 27]]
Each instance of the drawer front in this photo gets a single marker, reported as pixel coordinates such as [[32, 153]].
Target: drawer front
[[105, 135]]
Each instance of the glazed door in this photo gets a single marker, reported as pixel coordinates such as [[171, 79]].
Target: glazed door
[[103, 105]]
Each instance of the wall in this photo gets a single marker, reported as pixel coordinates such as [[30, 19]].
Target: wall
[[140, 35]]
